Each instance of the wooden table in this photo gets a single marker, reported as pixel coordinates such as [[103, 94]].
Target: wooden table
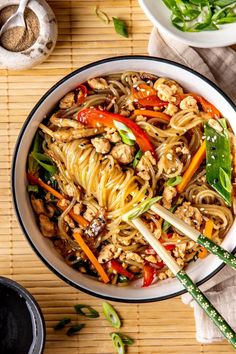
[[166, 327]]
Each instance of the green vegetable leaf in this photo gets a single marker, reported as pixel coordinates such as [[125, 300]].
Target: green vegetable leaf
[[120, 27], [75, 329], [137, 158], [36, 145], [118, 343], [140, 209], [61, 324], [126, 133], [90, 312], [111, 315], [174, 181], [44, 161], [218, 160], [33, 188]]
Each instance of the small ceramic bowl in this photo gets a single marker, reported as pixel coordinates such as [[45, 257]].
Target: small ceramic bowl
[[22, 328], [201, 270], [44, 44], [159, 15]]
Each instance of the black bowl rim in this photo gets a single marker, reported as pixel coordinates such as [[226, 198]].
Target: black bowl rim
[[34, 306], [27, 121]]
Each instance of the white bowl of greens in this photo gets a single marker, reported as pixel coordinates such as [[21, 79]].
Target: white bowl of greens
[[199, 23]]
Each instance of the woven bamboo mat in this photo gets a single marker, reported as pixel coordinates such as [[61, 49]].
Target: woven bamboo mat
[[166, 327]]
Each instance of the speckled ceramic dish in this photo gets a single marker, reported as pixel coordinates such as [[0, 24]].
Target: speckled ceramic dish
[[199, 271]]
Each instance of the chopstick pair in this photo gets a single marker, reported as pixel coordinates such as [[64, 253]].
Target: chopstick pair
[[180, 274]]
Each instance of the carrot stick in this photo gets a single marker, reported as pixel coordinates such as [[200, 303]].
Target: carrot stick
[[192, 168], [35, 180], [152, 114], [208, 233], [91, 257]]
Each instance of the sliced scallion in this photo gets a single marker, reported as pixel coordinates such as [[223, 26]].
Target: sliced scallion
[[86, 310], [174, 181], [75, 329], [118, 343], [111, 315], [61, 324]]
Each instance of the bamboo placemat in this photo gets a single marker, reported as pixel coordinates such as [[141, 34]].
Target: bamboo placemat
[[166, 327]]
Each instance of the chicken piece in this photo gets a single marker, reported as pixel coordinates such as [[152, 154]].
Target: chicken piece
[[188, 103], [109, 252], [78, 208], [191, 215], [112, 135], [179, 250], [166, 89], [67, 135], [171, 109], [123, 153], [132, 256], [162, 276], [151, 259], [67, 101], [89, 214], [101, 145], [47, 227], [143, 166], [69, 221], [168, 194], [65, 122], [125, 113], [38, 205], [98, 83]]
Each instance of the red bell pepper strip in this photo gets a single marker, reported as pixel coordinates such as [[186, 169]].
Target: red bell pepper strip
[[206, 106], [81, 93], [169, 247], [121, 270], [148, 275], [146, 96], [157, 265], [94, 117]]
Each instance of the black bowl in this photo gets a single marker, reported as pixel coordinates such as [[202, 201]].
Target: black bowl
[[22, 328]]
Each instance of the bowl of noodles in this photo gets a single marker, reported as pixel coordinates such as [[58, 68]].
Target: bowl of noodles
[[104, 139]]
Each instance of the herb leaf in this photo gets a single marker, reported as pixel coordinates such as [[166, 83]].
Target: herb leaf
[[120, 27], [44, 161], [75, 329], [61, 324], [90, 313]]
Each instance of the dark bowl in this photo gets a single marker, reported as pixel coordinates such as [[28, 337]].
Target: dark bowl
[[22, 328]]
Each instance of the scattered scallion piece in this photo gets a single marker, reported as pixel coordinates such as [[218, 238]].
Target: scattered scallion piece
[[166, 224], [120, 27], [125, 339], [61, 324], [111, 315], [33, 188], [126, 133], [137, 158], [140, 209], [122, 279], [75, 329], [86, 311], [101, 15], [118, 343], [174, 181]]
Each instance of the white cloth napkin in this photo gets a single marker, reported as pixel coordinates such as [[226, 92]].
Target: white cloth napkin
[[219, 65]]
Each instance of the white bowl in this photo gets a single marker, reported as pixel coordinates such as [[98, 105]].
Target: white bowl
[[199, 271], [159, 15]]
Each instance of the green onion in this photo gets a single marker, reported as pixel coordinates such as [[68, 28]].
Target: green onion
[[45, 162], [111, 315], [140, 209], [118, 343], [75, 329], [120, 27], [137, 158], [90, 313], [126, 133], [33, 188], [125, 339], [174, 181], [122, 279], [61, 324]]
